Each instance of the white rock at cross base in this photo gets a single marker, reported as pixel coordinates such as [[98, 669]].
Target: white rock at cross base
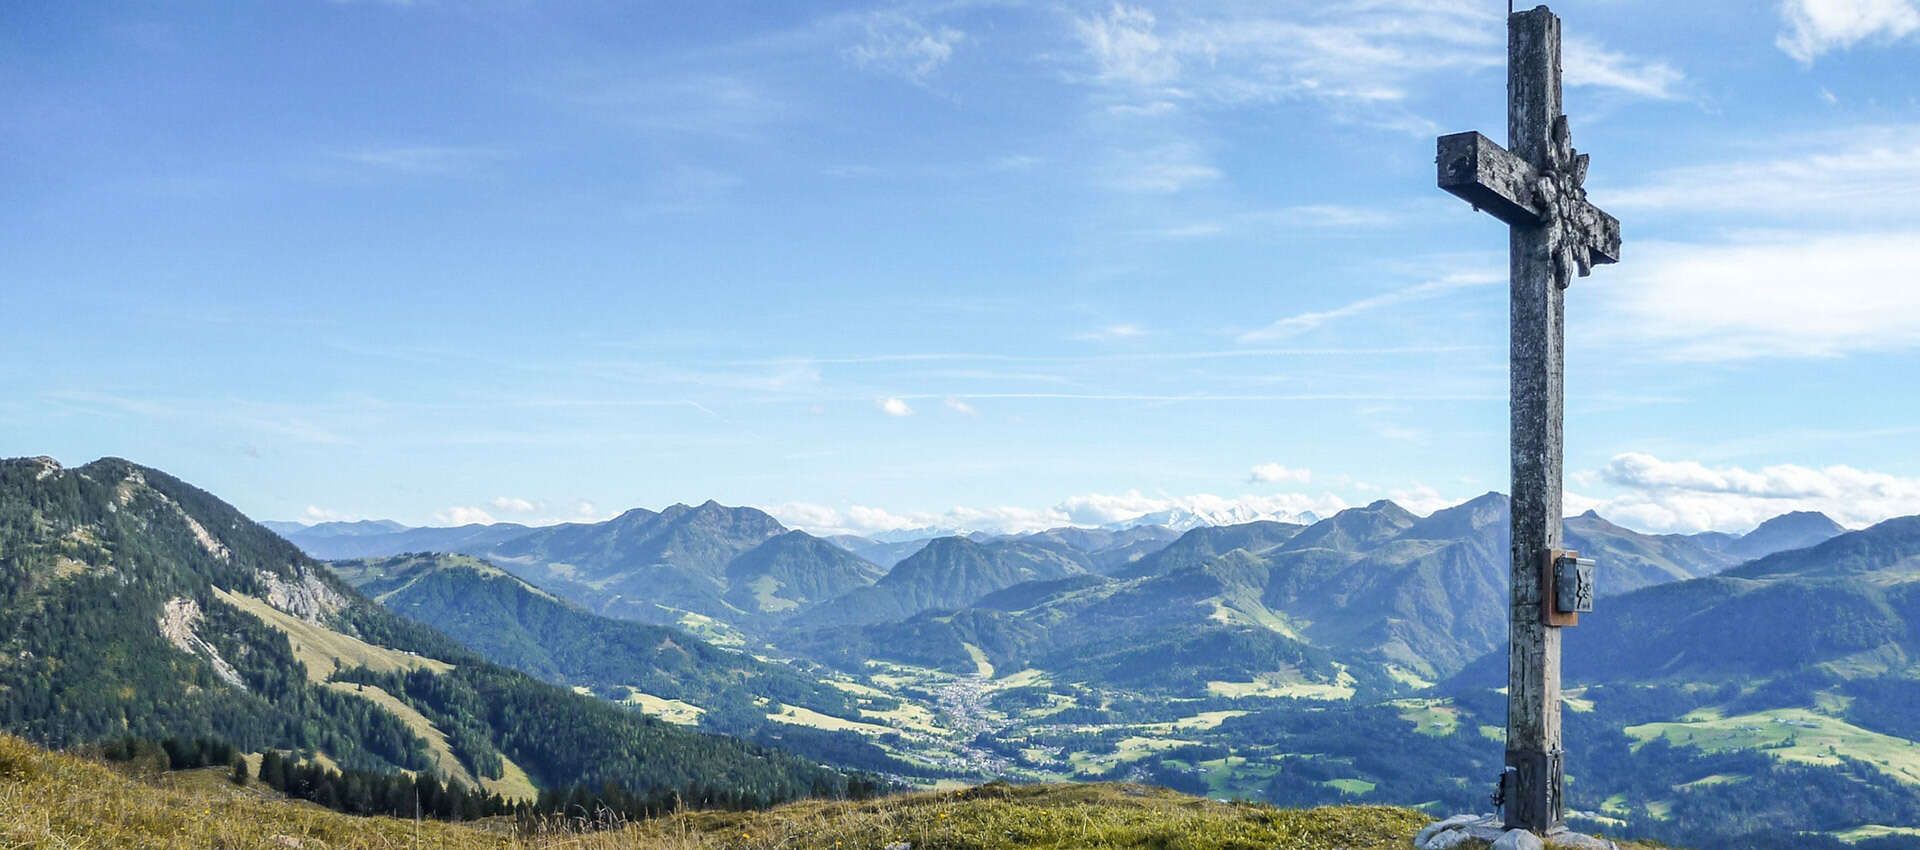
[[1519, 839], [1438, 827], [1448, 840]]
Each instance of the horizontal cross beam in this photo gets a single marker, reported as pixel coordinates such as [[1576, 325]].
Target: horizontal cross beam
[[1491, 178]]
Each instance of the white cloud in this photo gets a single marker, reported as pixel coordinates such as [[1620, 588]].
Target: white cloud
[[463, 515], [701, 105], [418, 159], [819, 519], [1125, 48], [895, 407], [316, 514], [1106, 509], [899, 45], [1362, 57], [1831, 276], [1814, 27], [1303, 322], [1422, 499], [960, 407], [1859, 173], [1589, 64], [1111, 332], [1162, 170], [1282, 220], [1770, 296], [1273, 473], [511, 505], [1687, 496], [1086, 511], [585, 510], [879, 519], [868, 520]]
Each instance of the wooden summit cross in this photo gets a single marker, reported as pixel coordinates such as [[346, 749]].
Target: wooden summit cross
[[1535, 186]]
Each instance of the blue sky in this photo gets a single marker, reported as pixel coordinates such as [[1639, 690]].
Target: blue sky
[[981, 264]]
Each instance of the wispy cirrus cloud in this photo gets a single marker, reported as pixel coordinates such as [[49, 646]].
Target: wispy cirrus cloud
[[1317, 218], [1300, 323], [712, 104], [418, 159], [895, 43], [1859, 173], [1363, 58], [1588, 63], [293, 423], [1161, 170], [1823, 267], [1120, 330]]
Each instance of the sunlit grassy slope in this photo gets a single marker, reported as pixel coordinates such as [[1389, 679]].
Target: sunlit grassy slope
[[50, 800]]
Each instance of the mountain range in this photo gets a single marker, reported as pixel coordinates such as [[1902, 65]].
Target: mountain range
[[1372, 596], [1265, 658], [1375, 594]]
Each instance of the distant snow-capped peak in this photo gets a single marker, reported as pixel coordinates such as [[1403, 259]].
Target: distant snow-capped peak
[[1185, 519]]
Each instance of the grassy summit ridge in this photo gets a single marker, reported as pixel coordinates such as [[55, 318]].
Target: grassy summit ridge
[[50, 800]]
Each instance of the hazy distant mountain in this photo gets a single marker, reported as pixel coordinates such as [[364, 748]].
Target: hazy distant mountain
[[1846, 608], [1371, 588], [1356, 529], [1786, 532], [1630, 560], [883, 553], [324, 530], [950, 572], [699, 539], [1105, 549], [374, 544], [794, 571], [911, 535], [1202, 544], [1424, 594]]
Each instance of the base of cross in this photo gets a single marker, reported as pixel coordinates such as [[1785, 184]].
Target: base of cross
[[1474, 830]]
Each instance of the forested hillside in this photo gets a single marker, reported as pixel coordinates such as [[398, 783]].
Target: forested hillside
[[132, 603], [656, 670]]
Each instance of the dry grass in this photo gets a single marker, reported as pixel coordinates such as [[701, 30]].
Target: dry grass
[[56, 801], [1034, 817], [64, 803], [322, 651]]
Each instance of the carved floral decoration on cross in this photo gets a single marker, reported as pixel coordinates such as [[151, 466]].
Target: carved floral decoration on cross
[[1562, 195]]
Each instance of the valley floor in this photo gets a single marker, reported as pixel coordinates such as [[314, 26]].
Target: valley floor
[[49, 800]]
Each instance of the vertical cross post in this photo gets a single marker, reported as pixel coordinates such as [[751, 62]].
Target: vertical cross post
[[1534, 753], [1537, 186]]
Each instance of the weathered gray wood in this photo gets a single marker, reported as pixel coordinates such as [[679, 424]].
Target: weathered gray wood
[[1486, 175], [1538, 312], [1483, 174], [1535, 185]]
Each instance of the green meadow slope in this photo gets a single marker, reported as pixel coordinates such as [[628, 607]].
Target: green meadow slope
[[50, 800]]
